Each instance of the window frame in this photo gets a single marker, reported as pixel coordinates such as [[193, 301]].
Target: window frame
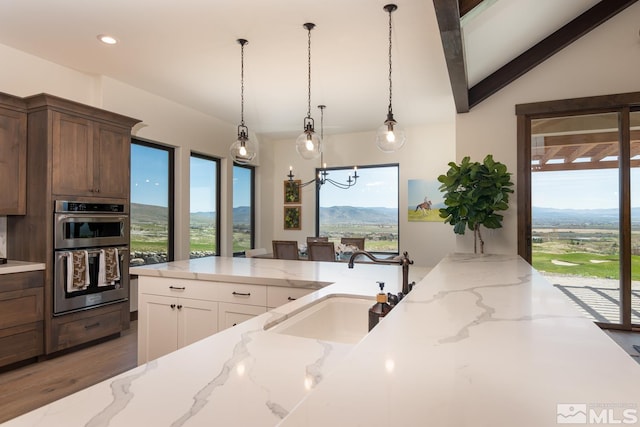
[[360, 168], [623, 104], [171, 189], [252, 211], [218, 198]]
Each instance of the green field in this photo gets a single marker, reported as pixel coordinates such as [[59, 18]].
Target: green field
[[430, 216], [591, 253], [378, 237]]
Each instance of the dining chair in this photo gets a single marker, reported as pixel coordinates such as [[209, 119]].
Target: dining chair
[[250, 253], [285, 249], [311, 239], [321, 251], [358, 242]]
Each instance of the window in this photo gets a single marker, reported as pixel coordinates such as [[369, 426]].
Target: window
[[577, 206], [369, 209], [243, 208], [151, 203], [204, 223]]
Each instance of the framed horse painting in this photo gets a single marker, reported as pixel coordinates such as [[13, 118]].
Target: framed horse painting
[[425, 199]]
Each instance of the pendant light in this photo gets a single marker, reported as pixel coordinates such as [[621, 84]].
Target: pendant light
[[242, 151], [309, 144], [323, 173], [390, 137]]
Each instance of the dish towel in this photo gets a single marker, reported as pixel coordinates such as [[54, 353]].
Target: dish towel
[[109, 270], [77, 270]]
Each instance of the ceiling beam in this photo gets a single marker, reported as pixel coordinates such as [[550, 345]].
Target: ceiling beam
[[465, 6], [448, 17], [563, 37]]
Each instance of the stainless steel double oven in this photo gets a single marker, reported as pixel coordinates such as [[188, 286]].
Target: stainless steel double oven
[[96, 237]]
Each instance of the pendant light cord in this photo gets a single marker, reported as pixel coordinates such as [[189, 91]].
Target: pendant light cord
[[242, 82], [390, 81], [309, 27]]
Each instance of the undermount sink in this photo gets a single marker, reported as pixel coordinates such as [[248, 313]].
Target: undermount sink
[[342, 319]]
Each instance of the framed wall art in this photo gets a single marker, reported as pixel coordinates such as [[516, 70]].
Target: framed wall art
[[292, 217], [292, 192]]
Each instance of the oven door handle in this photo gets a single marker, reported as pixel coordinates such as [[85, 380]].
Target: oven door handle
[[85, 217]]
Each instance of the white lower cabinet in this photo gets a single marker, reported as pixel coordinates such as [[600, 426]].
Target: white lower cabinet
[[231, 314], [166, 324], [173, 313]]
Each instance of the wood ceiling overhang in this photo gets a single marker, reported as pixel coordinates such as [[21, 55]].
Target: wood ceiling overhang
[[448, 14]]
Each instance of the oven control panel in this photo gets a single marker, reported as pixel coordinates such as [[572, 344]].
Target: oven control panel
[[71, 207]]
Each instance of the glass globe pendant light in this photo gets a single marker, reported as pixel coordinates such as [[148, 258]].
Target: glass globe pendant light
[[243, 151], [390, 137], [309, 144]]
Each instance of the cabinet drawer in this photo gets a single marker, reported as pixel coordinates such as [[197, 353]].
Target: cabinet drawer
[[20, 307], [21, 342], [232, 314], [180, 288], [70, 331], [240, 293], [277, 295], [25, 280]]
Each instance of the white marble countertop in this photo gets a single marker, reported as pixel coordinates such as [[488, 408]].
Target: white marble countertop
[[481, 341], [20, 266]]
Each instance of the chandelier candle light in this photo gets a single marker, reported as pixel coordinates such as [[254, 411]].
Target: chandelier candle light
[[323, 174], [309, 144], [242, 151], [390, 137]]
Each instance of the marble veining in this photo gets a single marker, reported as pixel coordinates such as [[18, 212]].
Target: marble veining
[[480, 341], [121, 390], [201, 398]]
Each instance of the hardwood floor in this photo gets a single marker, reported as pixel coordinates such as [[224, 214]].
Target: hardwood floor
[[29, 387]]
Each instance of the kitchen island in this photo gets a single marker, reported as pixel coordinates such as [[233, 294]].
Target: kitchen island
[[480, 341]]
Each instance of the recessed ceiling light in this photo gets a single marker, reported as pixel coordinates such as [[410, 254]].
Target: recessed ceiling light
[[106, 39]]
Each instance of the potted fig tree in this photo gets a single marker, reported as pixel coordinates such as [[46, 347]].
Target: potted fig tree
[[474, 193]]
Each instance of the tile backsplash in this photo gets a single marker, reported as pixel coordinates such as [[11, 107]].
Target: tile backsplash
[[3, 236]]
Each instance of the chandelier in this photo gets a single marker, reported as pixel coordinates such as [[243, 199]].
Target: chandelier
[[323, 174], [243, 150], [390, 137]]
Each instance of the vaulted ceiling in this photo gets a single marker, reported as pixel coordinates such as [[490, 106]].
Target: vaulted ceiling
[[187, 52], [490, 43]]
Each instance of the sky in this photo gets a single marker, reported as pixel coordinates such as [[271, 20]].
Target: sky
[[376, 187], [149, 180], [581, 189]]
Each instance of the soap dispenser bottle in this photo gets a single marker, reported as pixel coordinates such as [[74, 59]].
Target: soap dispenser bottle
[[379, 309]]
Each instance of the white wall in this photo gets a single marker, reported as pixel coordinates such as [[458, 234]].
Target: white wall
[[605, 61], [425, 156], [163, 121]]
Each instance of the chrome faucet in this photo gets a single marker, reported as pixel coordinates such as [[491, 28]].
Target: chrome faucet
[[403, 261]]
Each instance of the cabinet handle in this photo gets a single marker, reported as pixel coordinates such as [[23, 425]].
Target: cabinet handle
[[248, 294], [234, 324], [91, 326], [173, 306], [179, 306], [291, 298], [178, 288]]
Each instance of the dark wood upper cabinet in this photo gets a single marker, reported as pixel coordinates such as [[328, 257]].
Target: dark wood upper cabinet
[[90, 158], [13, 155]]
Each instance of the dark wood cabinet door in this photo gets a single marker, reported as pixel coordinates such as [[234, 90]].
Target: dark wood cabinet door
[[13, 161], [72, 155], [111, 161]]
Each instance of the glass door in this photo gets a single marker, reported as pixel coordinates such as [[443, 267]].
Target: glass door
[[634, 162], [575, 211]]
